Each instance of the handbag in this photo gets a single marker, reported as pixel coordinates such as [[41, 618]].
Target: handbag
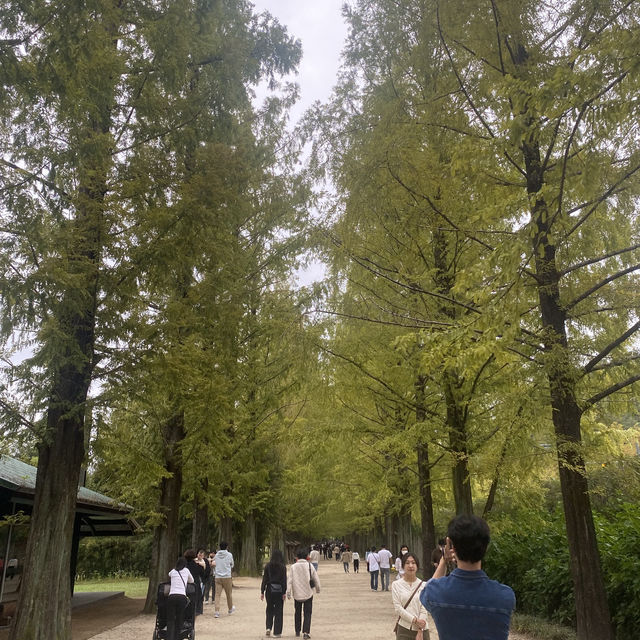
[[312, 582], [274, 587], [406, 604]]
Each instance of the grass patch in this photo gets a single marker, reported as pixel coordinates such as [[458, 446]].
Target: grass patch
[[132, 587], [540, 628]]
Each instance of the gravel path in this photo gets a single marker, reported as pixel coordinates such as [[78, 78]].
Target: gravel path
[[345, 609]]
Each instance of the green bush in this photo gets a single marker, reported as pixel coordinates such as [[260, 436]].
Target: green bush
[[620, 554], [113, 557], [532, 558], [529, 553]]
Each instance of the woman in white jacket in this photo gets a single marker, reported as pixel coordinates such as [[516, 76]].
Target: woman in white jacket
[[301, 575], [405, 594]]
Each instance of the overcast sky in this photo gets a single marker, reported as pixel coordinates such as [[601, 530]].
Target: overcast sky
[[320, 27]]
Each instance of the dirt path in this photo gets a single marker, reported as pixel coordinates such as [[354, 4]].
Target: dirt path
[[346, 608]]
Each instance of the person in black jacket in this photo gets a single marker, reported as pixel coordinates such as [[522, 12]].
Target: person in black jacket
[[197, 567], [274, 584]]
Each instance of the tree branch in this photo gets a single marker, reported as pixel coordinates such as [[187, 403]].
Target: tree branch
[[610, 347], [601, 284], [608, 391], [586, 263]]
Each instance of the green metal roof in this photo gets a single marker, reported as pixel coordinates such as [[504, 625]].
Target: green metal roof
[[20, 476]]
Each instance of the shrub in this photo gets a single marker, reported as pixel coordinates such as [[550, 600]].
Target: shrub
[[529, 553], [114, 557]]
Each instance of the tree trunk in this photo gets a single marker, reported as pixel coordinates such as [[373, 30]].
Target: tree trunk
[[200, 530], [424, 478], [456, 422], [249, 557], [226, 530], [277, 540], [592, 610], [458, 445], [44, 601], [166, 537]]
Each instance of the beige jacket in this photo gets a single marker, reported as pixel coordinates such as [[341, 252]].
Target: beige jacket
[[298, 578]]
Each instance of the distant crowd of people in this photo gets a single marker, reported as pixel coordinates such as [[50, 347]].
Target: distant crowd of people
[[464, 603]]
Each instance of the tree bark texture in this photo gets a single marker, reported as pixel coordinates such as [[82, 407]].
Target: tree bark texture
[[226, 530], [166, 537], [428, 528], [200, 530], [249, 557]]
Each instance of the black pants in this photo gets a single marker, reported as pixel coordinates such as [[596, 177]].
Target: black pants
[[175, 615], [356, 565], [210, 588], [274, 612], [297, 620]]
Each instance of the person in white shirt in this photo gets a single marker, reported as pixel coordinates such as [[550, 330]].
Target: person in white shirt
[[384, 560], [405, 594], [403, 551], [314, 557], [356, 562], [373, 560], [177, 600], [301, 574]]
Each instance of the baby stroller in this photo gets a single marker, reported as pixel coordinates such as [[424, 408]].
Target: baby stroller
[[188, 626]]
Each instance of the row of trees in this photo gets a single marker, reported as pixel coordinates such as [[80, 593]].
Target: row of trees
[[481, 240], [149, 224], [484, 248]]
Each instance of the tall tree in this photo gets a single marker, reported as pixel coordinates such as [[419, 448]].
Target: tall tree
[[95, 193]]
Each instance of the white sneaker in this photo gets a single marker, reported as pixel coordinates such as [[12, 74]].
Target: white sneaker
[[268, 632], [216, 615], [231, 610]]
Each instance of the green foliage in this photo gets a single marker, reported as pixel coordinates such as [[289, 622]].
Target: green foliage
[[528, 552], [620, 553], [113, 557]]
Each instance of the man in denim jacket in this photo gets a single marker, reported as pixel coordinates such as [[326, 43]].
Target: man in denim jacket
[[466, 605]]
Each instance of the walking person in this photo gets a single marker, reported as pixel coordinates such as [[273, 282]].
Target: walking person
[[373, 563], [314, 557], [224, 564], [384, 559], [302, 581], [398, 563], [356, 561], [405, 594], [274, 586], [177, 600], [347, 556]]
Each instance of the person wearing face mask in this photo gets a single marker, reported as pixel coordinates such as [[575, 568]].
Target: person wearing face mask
[[398, 563]]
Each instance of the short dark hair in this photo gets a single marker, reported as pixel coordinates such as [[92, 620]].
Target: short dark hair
[[223, 545], [302, 553], [180, 564], [189, 554], [408, 555], [470, 537]]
